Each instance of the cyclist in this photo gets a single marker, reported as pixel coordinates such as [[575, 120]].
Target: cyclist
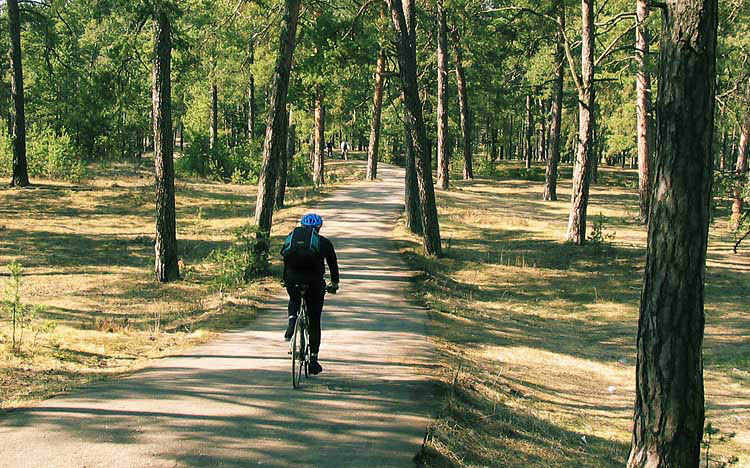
[[311, 271]]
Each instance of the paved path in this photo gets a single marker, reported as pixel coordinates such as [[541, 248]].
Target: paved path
[[230, 403]]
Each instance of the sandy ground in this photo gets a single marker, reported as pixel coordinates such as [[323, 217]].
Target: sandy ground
[[231, 402]]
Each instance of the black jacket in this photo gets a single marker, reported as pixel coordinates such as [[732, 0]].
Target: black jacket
[[318, 271]]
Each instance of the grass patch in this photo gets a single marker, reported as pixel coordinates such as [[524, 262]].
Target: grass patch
[[536, 337], [87, 256]]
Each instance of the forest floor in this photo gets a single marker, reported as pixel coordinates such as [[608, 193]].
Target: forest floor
[[537, 337], [86, 253]]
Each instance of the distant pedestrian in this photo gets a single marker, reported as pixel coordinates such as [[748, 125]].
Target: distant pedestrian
[[344, 150], [329, 147]]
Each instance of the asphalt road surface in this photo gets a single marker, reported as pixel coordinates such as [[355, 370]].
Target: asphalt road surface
[[231, 402]]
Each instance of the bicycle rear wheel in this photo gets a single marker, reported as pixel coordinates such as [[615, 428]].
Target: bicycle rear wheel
[[306, 349], [298, 352]]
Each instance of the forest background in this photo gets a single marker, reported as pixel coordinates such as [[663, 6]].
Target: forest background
[[88, 90]]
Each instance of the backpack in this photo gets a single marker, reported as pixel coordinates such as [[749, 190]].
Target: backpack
[[301, 248]]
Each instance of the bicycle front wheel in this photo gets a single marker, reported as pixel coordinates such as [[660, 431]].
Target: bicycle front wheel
[[298, 353]]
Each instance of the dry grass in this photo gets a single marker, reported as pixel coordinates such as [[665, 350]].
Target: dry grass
[[87, 255], [537, 337]]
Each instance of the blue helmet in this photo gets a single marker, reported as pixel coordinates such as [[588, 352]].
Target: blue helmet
[[311, 219]]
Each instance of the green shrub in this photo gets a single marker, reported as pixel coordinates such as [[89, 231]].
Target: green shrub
[[6, 155], [48, 155], [53, 156], [240, 164], [20, 316], [298, 172], [241, 261]]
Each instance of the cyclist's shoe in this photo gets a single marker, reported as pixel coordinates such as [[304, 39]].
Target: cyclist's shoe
[[315, 367], [290, 328]]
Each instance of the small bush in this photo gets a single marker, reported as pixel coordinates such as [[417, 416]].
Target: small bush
[[298, 173], [240, 164], [598, 235], [240, 262], [54, 156], [711, 437], [48, 155], [19, 315], [6, 155]]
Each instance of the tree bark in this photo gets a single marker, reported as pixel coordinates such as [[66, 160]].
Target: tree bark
[[543, 130], [404, 22], [463, 104], [723, 155], [214, 130], [166, 266], [550, 185], [576, 232], [284, 163], [251, 105], [740, 167], [411, 192], [320, 143], [443, 164], [669, 405], [20, 177], [377, 108], [643, 109], [274, 145], [528, 132]]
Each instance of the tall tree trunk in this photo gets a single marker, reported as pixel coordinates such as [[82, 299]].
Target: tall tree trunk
[[320, 143], [550, 185], [594, 153], [509, 136], [406, 45], [214, 130], [543, 131], [669, 405], [723, 155], [251, 106], [576, 232], [493, 143], [20, 177], [529, 132], [274, 145], [463, 104], [411, 192], [166, 267], [643, 107], [443, 164], [740, 167], [377, 107], [284, 160]]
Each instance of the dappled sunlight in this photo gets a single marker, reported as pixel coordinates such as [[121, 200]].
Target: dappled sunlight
[[548, 329]]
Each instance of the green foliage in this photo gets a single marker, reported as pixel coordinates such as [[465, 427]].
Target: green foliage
[[535, 173], [48, 155], [298, 171], [234, 263], [711, 437], [54, 156], [6, 155], [241, 164], [598, 235], [20, 316]]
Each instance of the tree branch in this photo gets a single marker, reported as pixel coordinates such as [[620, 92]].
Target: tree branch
[[611, 47]]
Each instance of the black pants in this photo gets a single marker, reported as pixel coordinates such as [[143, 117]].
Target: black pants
[[315, 295]]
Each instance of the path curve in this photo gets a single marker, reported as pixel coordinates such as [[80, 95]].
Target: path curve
[[230, 402]]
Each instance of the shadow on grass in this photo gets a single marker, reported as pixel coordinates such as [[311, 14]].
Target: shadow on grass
[[487, 432]]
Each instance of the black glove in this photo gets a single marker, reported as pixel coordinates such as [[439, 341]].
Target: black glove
[[332, 288]]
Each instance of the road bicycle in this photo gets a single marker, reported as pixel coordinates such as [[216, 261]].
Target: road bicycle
[[300, 342]]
